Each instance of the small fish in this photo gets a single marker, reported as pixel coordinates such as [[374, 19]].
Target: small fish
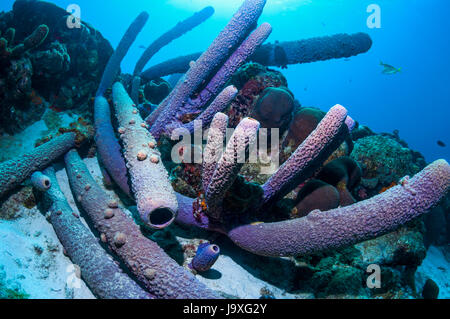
[[389, 69], [142, 47], [441, 144]]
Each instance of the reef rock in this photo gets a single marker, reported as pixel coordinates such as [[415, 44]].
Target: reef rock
[[46, 64]]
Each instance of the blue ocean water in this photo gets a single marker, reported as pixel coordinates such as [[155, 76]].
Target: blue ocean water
[[413, 36]]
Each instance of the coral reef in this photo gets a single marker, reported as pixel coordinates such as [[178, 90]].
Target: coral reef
[[10, 208], [43, 61], [271, 117], [316, 194], [253, 80], [383, 162]]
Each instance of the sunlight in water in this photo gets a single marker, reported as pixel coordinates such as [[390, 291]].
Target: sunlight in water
[[223, 7]]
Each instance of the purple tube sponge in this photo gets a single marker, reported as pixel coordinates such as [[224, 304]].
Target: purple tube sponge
[[103, 276], [40, 181], [220, 103], [109, 152], [345, 226], [308, 156], [156, 200], [14, 171], [281, 53], [178, 65], [113, 66], [174, 33], [205, 257], [135, 89], [315, 49], [230, 164], [234, 62], [108, 148], [350, 123], [151, 266], [221, 48], [214, 147]]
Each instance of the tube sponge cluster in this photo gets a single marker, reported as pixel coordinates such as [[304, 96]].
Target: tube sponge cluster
[[221, 48], [152, 267], [232, 64], [103, 276]]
